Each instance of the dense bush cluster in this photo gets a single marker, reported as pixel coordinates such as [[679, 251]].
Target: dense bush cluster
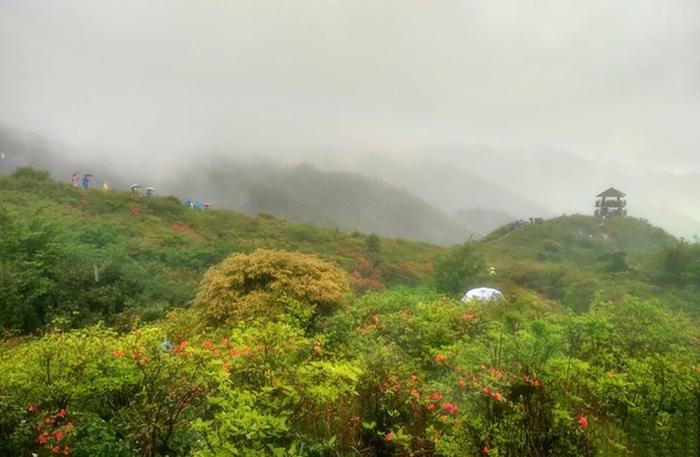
[[403, 372]]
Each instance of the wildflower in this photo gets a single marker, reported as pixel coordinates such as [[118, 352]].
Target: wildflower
[[436, 396], [389, 437], [56, 449], [118, 353], [414, 378], [69, 426], [482, 367], [43, 438], [234, 351], [430, 406], [61, 413], [31, 408], [468, 316], [207, 345], [583, 422], [181, 347], [66, 450], [486, 390], [497, 396], [224, 342], [486, 450], [415, 393], [440, 358], [496, 373], [462, 383], [451, 408], [59, 435]]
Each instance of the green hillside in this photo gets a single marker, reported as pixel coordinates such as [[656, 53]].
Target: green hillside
[[149, 254], [138, 327]]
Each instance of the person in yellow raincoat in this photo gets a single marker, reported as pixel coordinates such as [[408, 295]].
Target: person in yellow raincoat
[[105, 186]]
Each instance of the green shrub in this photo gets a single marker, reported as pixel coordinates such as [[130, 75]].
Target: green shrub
[[248, 287]]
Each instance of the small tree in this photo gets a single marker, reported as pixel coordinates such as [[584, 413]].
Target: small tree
[[459, 269]]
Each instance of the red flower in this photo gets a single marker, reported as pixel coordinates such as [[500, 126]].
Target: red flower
[[118, 353], [414, 378], [486, 450], [436, 396], [234, 352], [389, 437], [207, 344], [66, 450], [59, 435], [181, 347], [43, 438], [69, 426], [430, 406], [415, 393], [583, 422], [56, 450], [440, 358], [462, 383], [496, 373], [31, 408], [451, 408], [61, 413], [486, 390], [497, 396]]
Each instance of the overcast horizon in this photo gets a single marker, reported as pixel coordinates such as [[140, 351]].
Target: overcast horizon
[[607, 80]]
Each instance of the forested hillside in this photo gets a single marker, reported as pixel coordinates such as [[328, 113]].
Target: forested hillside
[[138, 326]]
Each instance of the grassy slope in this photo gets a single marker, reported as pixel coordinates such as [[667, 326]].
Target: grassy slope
[[160, 230], [568, 259], [561, 259]]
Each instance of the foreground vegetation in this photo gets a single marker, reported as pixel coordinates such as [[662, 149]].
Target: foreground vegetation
[[118, 344]]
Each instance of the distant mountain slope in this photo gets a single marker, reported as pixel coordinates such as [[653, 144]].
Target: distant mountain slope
[[329, 199], [300, 193]]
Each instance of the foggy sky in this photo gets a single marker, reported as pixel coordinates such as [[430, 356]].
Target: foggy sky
[[158, 81]]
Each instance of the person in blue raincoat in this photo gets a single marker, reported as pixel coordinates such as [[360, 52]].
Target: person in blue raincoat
[[86, 181]]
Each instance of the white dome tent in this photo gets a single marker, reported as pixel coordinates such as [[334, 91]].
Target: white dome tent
[[482, 294]]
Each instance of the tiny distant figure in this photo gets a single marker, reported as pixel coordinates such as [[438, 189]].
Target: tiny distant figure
[[188, 202], [75, 179], [149, 191], [207, 206], [105, 186], [197, 205], [135, 189], [167, 345], [86, 181]]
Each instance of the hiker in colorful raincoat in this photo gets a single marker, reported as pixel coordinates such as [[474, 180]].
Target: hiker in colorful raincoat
[[75, 179], [86, 181]]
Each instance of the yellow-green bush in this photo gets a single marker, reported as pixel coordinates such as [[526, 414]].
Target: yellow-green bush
[[246, 287]]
